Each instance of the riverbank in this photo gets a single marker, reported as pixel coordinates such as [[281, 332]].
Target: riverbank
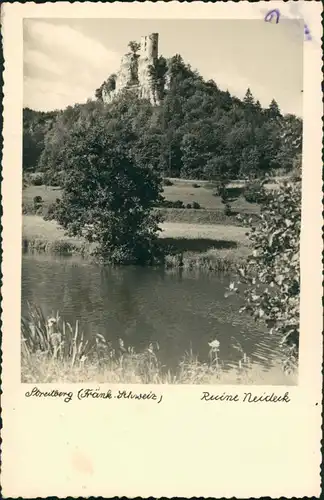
[[42, 368], [53, 351], [214, 247]]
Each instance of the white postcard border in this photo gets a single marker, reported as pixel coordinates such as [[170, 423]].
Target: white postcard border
[[183, 446]]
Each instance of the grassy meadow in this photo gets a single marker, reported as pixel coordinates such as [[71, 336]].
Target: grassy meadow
[[181, 189]]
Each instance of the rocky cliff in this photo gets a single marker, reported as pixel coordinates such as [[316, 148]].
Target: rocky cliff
[[134, 73]]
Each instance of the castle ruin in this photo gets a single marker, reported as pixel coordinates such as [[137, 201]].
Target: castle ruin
[[134, 72]]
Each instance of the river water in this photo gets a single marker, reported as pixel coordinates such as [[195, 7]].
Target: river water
[[180, 311]]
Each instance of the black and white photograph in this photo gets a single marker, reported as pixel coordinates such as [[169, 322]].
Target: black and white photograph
[[161, 201], [162, 245]]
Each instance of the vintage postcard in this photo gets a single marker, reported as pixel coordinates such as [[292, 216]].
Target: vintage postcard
[[162, 244]]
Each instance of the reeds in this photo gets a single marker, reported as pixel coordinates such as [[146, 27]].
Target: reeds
[[56, 247], [56, 338], [203, 262], [41, 245]]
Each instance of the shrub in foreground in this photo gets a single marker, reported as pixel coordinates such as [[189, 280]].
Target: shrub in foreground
[[271, 276]]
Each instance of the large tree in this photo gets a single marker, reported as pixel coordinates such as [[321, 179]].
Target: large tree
[[108, 196]]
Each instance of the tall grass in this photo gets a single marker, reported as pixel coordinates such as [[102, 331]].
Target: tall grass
[[208, 261], [56, 338], [55, 351], [60, 246]]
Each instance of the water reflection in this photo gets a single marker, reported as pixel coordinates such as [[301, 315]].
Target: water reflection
[[178, 310]]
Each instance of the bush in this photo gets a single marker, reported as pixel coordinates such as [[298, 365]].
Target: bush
[[172, 204], [28, 208], [54, 179], [234, 192], [271, 276], [167, 182], [254, 192], [231, 193], [38, 202], [179, 204], [50, 211], [228, 210], [37, 179]]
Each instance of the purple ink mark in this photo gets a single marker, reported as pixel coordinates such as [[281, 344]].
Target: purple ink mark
[[307, 32], [275, 12]]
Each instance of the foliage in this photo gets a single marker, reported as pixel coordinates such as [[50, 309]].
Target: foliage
[[134, 46], [38, 202], [273, 112], [106, 87], [290, 147], [54, 178], [254, 192], [158, 71], [171, 204], [272, 272], [36, 179], [218, 170], [196, 132], [108, 197], [57, 338], [36, 124], [167, 182], [296, 174], [52, 159]]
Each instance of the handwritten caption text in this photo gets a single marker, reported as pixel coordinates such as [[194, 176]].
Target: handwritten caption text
[[83, 394], [247, 397]]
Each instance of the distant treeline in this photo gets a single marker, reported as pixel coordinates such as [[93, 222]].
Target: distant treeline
[[198, 131]]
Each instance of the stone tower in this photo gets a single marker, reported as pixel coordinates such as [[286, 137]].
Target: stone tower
[[147, 56], [149, 46]]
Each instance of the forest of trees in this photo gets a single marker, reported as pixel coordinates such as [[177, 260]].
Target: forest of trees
[[198, 131]]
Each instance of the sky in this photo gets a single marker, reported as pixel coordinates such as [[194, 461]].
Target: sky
[[65, 60]]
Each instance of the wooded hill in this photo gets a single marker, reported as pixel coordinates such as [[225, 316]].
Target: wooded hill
[[198, 131]]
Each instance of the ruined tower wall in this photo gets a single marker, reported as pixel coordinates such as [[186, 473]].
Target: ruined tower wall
[[149, 46], [134, 73]]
